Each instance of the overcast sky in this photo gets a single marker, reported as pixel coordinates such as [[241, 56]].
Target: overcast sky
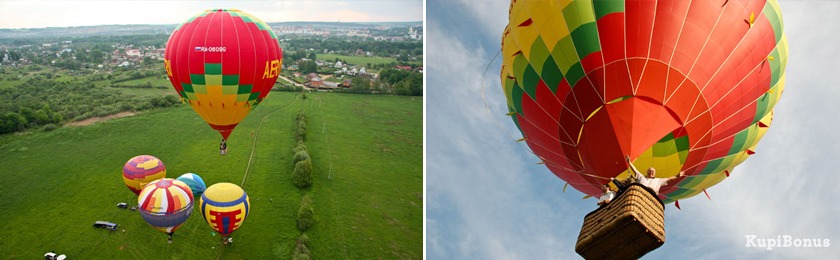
[[488, 199], [39, 14]]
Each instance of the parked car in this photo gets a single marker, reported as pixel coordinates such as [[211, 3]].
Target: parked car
[[122, 205], [105, 225]]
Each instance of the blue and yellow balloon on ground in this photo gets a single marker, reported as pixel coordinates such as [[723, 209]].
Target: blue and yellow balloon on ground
[[141, 170], [224, 206], [195, 183]]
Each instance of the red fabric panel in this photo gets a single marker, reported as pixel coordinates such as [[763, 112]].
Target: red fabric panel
[[698, 24], [627, 127], [669, 20], [652, 83], [212, 37], [639, 19], [618, 81], [247, 59], [230, 58], [587, 97], [195, 61], [592, 61], [611, 36]]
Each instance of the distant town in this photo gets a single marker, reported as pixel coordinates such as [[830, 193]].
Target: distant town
[[120, 61]]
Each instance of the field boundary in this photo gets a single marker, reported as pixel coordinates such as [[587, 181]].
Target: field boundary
[[254, 141]]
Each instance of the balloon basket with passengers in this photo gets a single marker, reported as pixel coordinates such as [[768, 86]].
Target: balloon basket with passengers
[[590, 82]]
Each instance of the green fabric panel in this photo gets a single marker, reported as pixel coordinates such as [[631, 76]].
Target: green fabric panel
[[530, 81], [242, 97], [775, 67], [564, 54], [538, 54], [774, 19], [520, 64], [197, 79], [515, 119], [603, 8], [586, 39], [725, 163], [575, 73], [183, 94], [761, 107], [230, 90], [254, 96], [213, 80], [244, 89], [711, 166], [187, 87], [191, 96], [213, 68], [738, 141], [199, 89], [509, 85], [682, 143], [517, 99], [663, 149], [230, 80], [683, 154], [551, 74], [577, 13]]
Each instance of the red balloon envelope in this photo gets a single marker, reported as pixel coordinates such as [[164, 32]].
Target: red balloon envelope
[[223, 62], [676, 85]]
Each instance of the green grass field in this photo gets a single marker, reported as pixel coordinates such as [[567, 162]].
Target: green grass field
[[367, 189], [355, 60]]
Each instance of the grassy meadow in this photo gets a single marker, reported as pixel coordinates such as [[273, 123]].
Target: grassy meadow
[[367, 189]]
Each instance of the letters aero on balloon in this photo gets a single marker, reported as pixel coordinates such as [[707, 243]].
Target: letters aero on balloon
[[676, 85], [223, 62]]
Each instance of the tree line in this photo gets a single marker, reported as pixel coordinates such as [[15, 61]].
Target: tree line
[[42, 102]]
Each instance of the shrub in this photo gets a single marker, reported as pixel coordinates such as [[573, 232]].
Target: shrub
[[50, 127], [301, 250], [301, 155], [302, 174], [305, 215], [300, 147]]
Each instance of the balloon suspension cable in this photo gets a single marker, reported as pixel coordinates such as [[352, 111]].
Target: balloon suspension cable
[[513, 136]]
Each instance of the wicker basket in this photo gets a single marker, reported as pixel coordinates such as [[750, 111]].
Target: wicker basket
[[628, 228]]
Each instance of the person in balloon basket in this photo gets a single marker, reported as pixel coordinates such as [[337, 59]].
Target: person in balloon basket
[[650, 180], [223, 147], [607, 197]]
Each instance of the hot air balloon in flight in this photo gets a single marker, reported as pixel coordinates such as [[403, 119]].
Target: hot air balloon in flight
[[224, 206], [141, 170], [223, 62], [676, 85], [166, 204], [195, 183]]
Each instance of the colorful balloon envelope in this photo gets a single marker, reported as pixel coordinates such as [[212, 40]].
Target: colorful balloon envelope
[[676, 85], [166, 204], [195, 183], [224, 206], [141, 170], [223, 62]]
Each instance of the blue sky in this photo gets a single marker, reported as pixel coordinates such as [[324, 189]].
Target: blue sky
[[488, 199], [33, 13]]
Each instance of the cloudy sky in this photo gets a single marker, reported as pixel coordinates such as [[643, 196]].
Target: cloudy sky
[[487, 199], [38, 14]]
